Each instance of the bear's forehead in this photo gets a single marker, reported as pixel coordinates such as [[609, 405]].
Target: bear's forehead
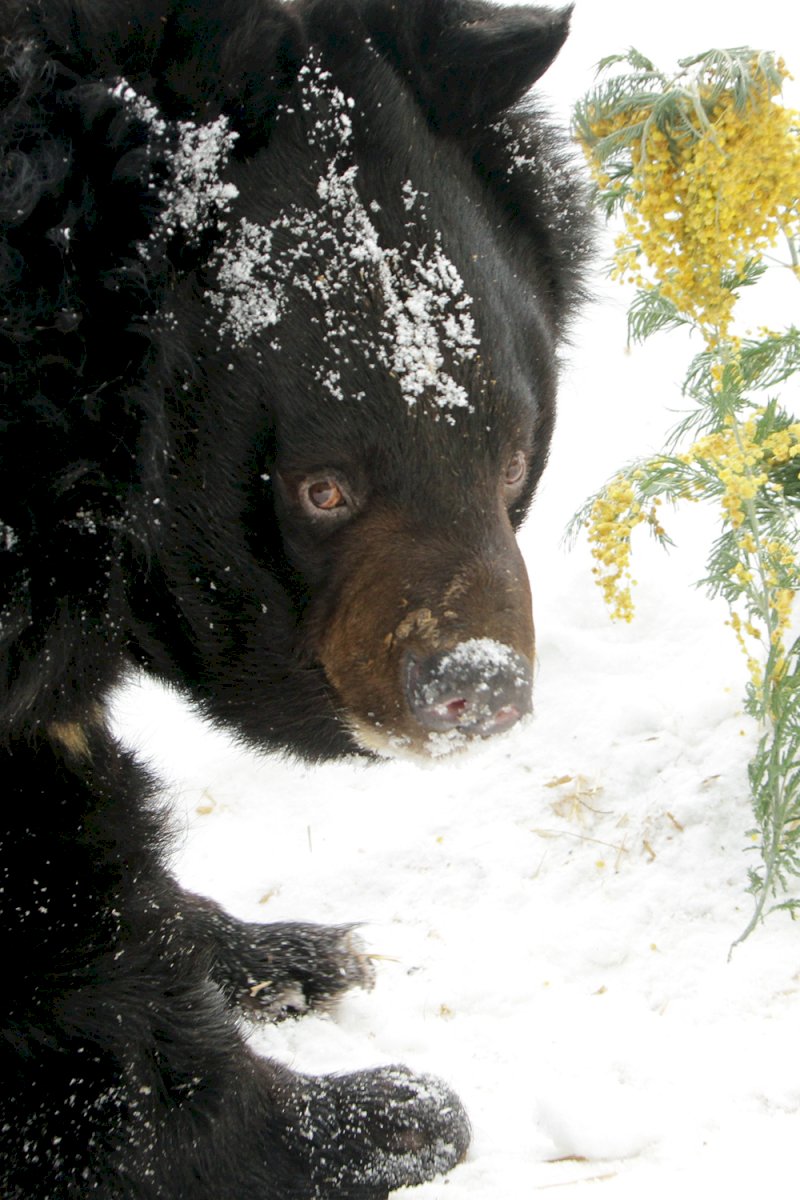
[[372, 278], [371, 268]]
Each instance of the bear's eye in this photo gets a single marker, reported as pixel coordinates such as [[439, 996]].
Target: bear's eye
[[325, 494], [324, 497], [516, 470]]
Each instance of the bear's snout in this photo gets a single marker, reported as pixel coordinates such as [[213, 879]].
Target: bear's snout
[[429, 644], [480, 687]]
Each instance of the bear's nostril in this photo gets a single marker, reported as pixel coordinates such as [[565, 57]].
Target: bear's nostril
[[480, 687], [507, 716], [455, 709]]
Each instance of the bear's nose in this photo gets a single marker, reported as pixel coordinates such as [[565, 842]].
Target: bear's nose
[[479, 687]]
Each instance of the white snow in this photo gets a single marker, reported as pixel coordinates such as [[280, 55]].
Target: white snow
[[195, 193], [484, 654], [248, 297], [553, 913], [198, 192]]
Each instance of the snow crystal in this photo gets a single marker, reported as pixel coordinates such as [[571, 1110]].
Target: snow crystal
[[483, 656], [143, 108], [522, 157], [550, 178], [249, 297], [195, 194], [410, 195], [198, 191], [423, 327], [440, 744]]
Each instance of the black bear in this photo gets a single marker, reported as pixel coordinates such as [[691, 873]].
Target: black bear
[[283, 286]]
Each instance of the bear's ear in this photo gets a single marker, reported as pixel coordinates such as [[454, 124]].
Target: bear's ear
[[467, 60]]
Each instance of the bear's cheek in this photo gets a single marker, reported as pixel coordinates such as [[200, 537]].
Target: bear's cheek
[[425, 639]]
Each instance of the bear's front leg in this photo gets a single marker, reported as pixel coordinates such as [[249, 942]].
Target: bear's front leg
[[253, 1130], [276, 970], [125, 1074]]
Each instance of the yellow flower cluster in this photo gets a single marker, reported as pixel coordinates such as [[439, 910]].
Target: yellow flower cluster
[[768, 571], [781, 608], [742, 462], [614, 515], [710, 190]]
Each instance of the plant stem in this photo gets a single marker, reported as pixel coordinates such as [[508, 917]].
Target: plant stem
[[773, 821]]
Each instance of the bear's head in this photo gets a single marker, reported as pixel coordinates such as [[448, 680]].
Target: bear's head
[[366, 254]]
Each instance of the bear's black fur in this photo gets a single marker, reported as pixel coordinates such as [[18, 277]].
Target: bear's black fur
[[282, 291]]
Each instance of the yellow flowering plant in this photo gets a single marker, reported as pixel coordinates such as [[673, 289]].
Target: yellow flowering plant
[[703, 168]]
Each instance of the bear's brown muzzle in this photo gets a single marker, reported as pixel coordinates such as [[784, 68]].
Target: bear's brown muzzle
[[431, 637]]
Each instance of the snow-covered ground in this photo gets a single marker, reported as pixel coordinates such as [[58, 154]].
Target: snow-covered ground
[[553, 913]]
